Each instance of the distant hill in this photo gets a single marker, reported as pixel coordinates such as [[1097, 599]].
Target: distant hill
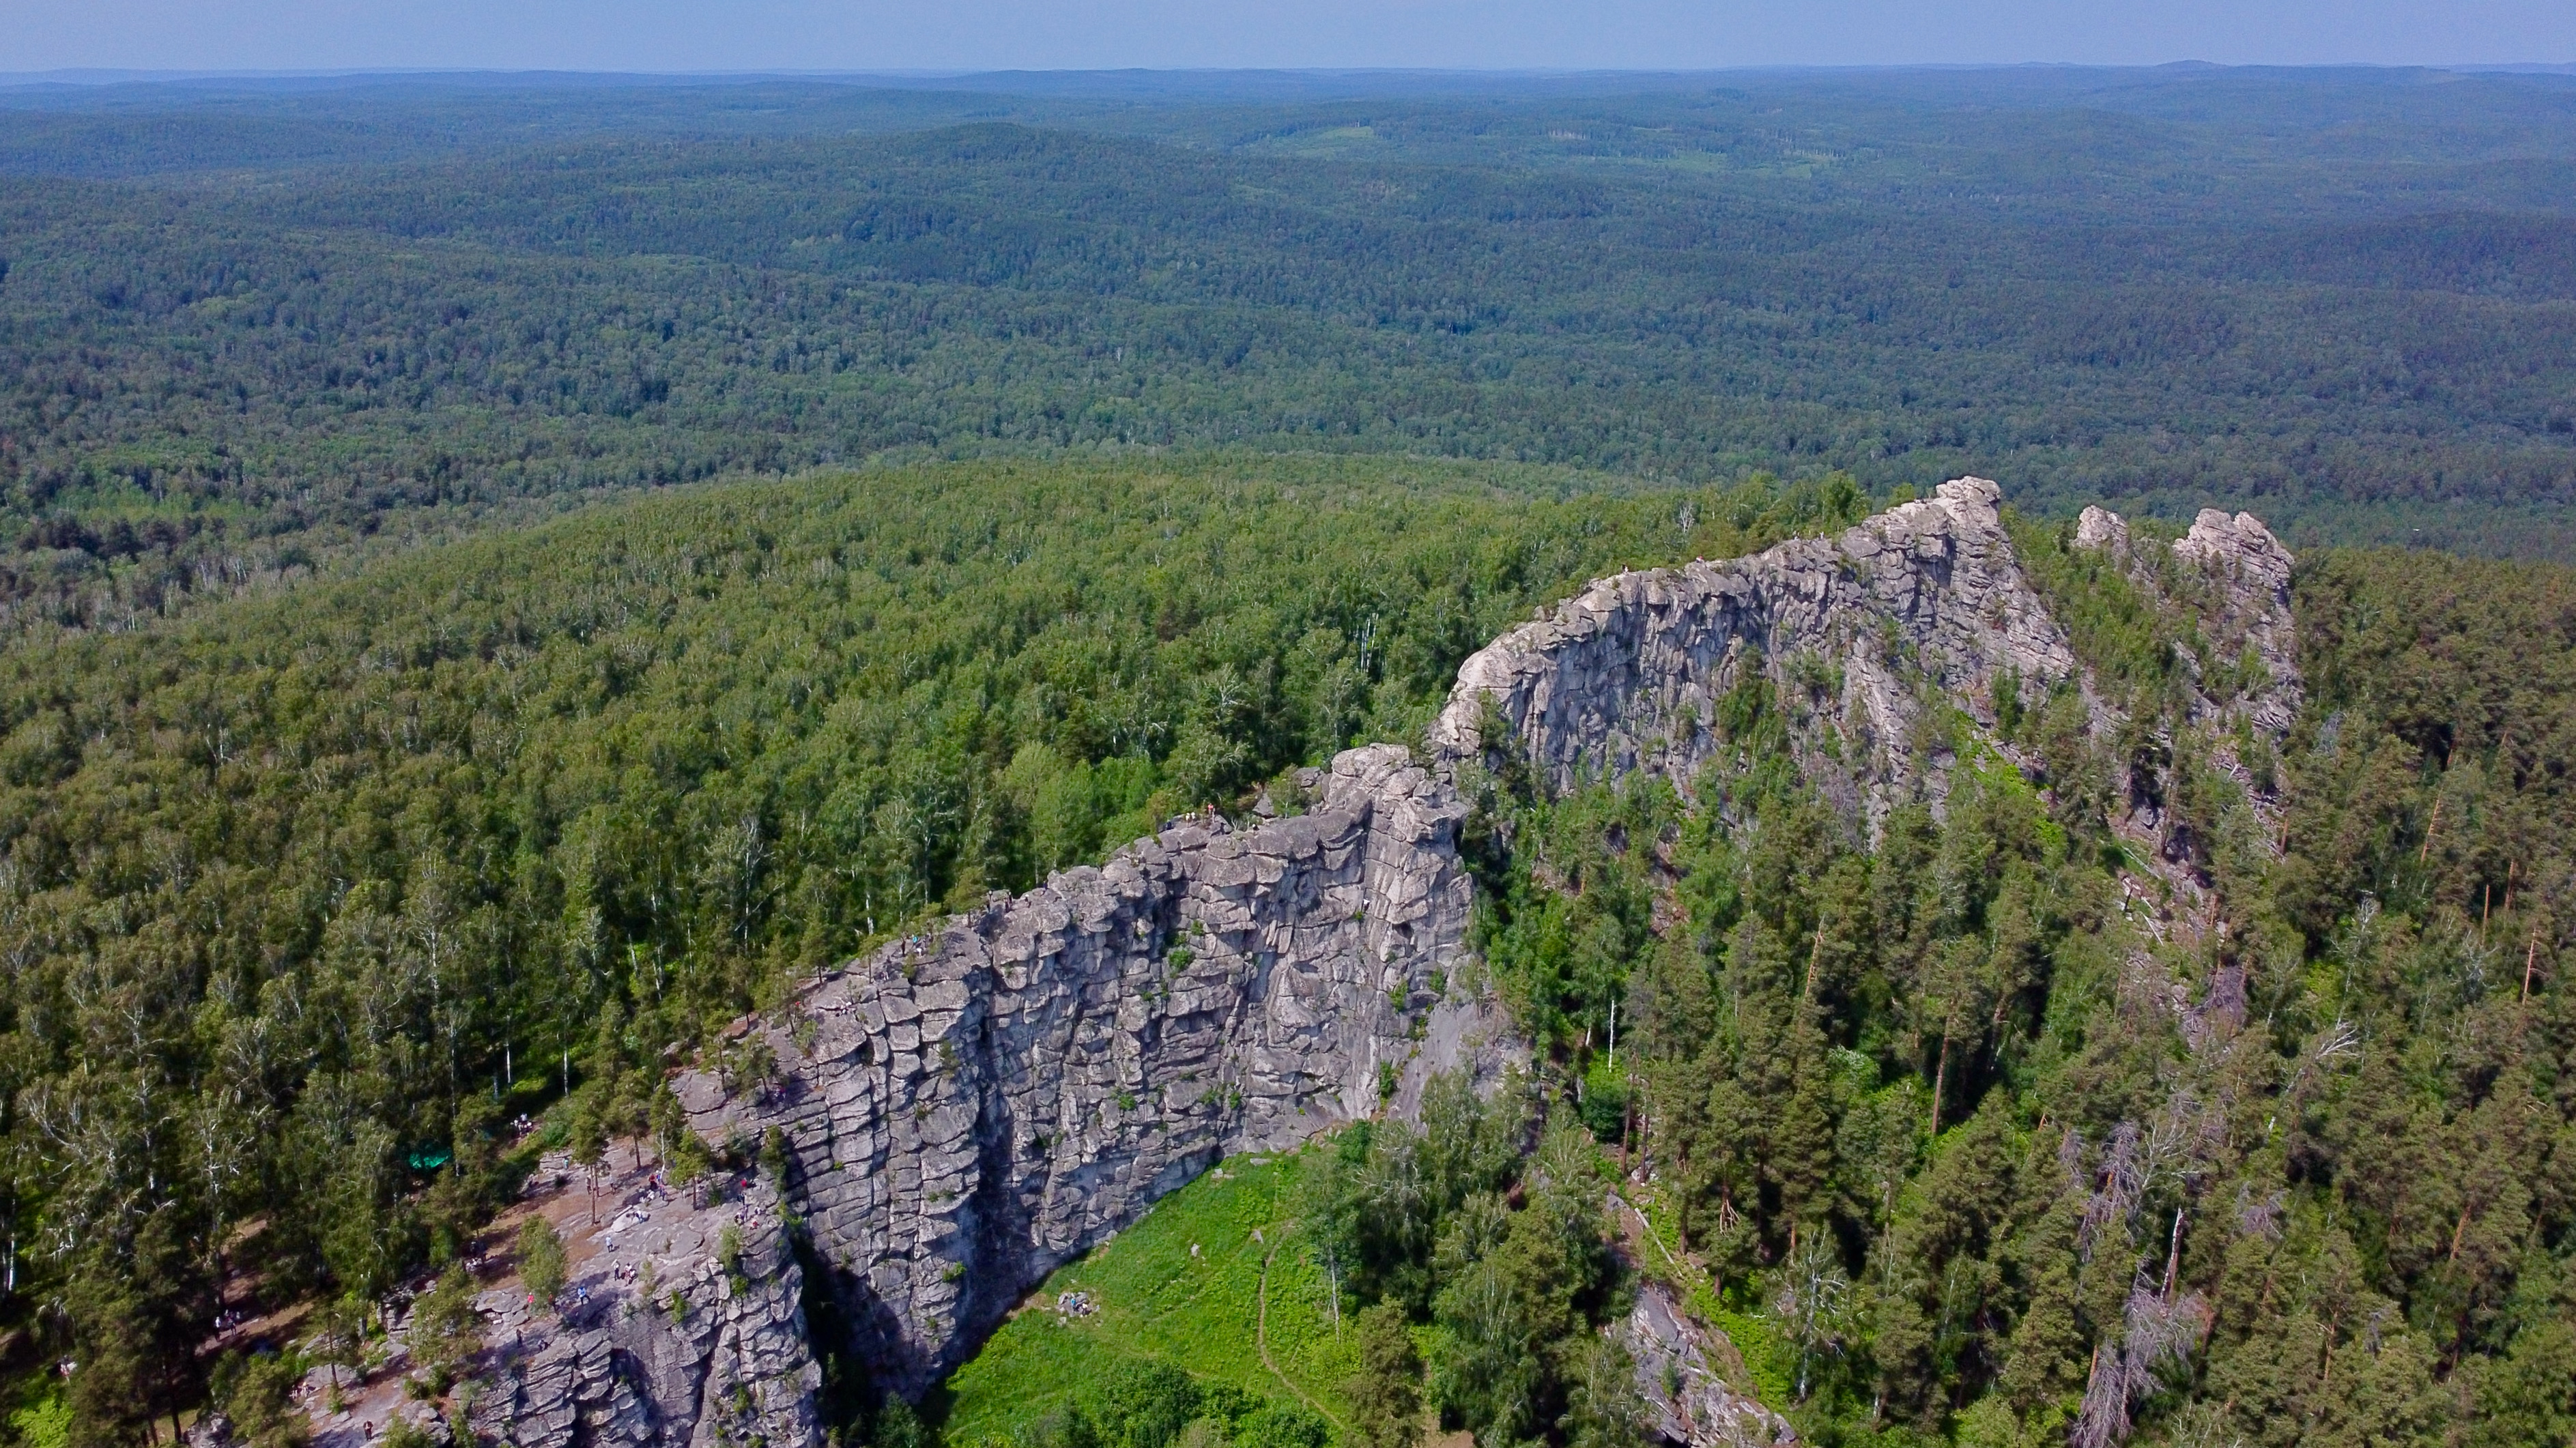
[[252, 327]]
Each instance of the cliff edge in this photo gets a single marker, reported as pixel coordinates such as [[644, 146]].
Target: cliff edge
[[969, 1108]]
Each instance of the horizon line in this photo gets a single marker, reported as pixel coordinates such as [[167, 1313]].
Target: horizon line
[[85, 76]]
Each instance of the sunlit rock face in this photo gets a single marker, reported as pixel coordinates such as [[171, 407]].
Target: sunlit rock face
[[1861, 636]]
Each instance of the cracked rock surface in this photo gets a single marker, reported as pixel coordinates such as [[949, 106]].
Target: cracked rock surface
[[970, 1108], [1860, 635], [660, 1342]]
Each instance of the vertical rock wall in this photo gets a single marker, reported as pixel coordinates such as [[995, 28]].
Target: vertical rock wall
[[969, 1108]]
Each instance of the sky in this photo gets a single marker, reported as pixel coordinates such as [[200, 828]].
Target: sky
[[695, 36]]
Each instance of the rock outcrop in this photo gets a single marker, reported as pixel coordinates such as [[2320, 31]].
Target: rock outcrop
[[682, 1325], [2232, 577], [1690, 1400], [969, 1108], [1862, 636], [2224, 588]]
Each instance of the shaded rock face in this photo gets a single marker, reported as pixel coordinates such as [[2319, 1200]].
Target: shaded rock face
[[1861, 637], [968, 1109], [690, 1352], [1688, 1398]]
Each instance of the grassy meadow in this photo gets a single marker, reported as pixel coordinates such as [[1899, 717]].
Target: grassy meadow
[[1157, 1301]]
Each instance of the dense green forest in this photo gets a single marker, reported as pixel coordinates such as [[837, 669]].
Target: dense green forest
[[293, 888], [245, 333], [296, 886], [1128, 442]]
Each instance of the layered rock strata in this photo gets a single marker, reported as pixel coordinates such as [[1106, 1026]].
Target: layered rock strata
[[682, 1327], [1863, 636], [967, 1109]]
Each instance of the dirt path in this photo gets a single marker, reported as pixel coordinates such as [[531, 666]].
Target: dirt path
[[1261, 1335]]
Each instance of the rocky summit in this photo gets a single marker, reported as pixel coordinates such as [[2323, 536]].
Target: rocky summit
[[1864, 633], [962, 1110]]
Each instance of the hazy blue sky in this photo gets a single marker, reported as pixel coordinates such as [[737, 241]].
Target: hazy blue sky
[[985, 34]]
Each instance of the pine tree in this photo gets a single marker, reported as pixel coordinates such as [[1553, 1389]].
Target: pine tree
[[589, 1144], [1386, 1393], [446, 1330], [540, 1252]]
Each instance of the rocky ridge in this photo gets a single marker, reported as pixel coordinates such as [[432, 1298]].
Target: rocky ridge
[[681, 1325], [1863, 636], [965, 1109]]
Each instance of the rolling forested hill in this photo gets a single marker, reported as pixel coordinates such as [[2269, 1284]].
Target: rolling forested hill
[[244, 330]]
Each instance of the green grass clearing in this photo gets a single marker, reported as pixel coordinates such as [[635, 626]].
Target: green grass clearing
[[1157, 1302]]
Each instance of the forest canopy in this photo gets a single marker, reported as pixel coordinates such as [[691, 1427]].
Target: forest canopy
[[296, 887], [395, 312], [1990, 1149]]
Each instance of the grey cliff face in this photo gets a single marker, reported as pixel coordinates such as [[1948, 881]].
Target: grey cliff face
[[688, 1352], [1859, 634], [968, 1109]]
